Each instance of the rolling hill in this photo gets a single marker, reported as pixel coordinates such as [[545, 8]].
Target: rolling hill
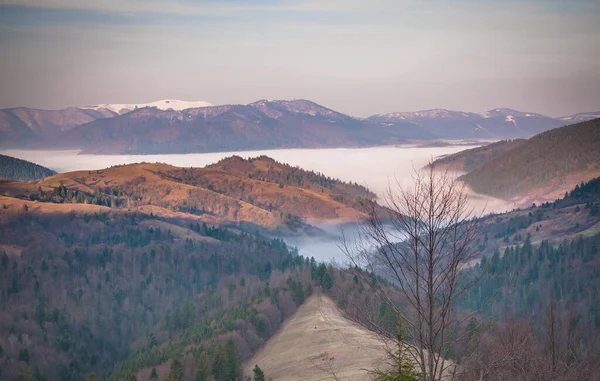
[[257, 192], [22, 170], [544, 167]]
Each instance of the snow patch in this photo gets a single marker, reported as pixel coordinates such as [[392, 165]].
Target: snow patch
[[164, 104], [510, 119]]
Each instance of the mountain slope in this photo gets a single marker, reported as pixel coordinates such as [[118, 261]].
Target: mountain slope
[[544, 167], [470, 159], [17, 169]]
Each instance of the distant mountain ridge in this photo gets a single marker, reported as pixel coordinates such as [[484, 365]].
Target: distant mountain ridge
[[22, 127], [581, 117], [172, 126], [446, 124]]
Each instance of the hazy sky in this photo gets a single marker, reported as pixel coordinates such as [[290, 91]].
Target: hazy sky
[[358, 57]]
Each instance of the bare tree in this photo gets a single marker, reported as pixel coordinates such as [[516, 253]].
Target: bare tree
[[421, 245]]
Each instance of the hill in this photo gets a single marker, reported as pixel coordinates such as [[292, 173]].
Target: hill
[[468, 160], [544, 167], [316, 341], [259, 193], [17, 169]]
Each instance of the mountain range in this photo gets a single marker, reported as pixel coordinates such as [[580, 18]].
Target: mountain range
[[172, 126]]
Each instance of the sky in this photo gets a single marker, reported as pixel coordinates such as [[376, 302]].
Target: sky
[[357, 57]]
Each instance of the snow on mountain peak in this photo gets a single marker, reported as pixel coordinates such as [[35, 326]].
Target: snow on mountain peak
[[164, 104], [436, 113]]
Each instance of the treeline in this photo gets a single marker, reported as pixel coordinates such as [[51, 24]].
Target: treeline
[[22, 170]]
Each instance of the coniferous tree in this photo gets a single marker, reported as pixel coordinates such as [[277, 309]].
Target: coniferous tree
[[259, 375], [203, 367], [402, 367], [175, 371]]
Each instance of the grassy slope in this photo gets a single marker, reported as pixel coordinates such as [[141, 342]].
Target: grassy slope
[[315, 332], [544, 167]]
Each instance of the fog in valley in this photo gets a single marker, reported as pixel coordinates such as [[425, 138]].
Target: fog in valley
[[375, 168]]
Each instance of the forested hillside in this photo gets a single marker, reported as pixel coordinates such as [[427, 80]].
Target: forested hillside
[[85, 291], [538, 312], [544, 167], [523, 279], [116, 292], [470, 159], [22, 170]]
